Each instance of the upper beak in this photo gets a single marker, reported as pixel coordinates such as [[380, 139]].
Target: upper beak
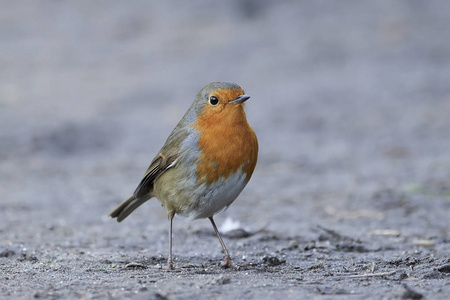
[[240, 99]]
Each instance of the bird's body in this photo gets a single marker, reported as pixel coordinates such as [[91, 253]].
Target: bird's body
[[205, 163]]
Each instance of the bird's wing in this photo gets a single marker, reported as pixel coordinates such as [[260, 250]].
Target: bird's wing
[[166, 159]]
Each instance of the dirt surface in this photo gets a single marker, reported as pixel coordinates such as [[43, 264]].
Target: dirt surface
[[351, 104]]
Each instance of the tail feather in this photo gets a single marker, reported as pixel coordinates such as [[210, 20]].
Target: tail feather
[[127, 207]]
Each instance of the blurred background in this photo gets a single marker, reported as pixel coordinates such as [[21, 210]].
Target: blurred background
[[350, 102]]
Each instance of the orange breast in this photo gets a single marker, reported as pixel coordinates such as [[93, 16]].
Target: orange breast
[[227, 142]]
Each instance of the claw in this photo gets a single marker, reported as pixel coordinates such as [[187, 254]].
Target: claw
[[227, 263]]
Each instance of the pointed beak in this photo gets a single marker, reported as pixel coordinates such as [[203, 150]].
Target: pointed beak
[[240, 99]]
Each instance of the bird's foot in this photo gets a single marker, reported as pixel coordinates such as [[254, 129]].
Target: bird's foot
[[170, 264], [227, 262]]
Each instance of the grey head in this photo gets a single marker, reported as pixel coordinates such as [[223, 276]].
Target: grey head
[[203, 98]]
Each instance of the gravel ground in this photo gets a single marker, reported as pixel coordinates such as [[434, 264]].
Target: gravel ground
[[351, 105]]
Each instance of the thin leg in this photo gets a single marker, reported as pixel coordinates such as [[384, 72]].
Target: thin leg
[[227, 262], [170, 260]]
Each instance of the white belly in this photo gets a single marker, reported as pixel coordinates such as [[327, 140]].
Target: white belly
[[211, 199]]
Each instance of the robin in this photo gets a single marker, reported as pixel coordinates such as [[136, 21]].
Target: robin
[[205, 163]]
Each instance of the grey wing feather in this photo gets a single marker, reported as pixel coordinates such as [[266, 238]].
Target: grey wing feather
[[166, 159], [158, 166], [163, 161]]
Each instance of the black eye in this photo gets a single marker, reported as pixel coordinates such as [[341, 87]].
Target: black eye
[[213, 100]]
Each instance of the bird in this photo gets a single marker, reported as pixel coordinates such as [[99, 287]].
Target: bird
[[205, 163]]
